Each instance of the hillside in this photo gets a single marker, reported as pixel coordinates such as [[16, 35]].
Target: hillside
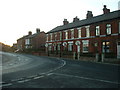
[[5, 48]]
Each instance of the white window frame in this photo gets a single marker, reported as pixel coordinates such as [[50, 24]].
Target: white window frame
[[79, 32], [51, 37], [106, 44], [66, 34], [97, 31], [87, 31], [85, 44], [46, 37], [61, 35], [72, 33], [27, 41], [108, 29], [55, 35]]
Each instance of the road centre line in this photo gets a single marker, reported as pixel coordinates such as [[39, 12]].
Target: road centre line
[[17, 79], [5, 85], [64, 63], [106, 81], [24, 81], [38, 77]]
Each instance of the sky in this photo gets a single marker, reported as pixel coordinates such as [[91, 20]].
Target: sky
[[18, 17]]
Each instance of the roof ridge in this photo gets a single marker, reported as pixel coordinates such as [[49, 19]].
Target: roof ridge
[[102, 17]]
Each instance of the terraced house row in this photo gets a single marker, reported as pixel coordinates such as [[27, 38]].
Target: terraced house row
[[93, 35]]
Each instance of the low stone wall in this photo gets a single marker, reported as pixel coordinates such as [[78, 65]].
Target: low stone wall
[[88, 59], [111, 60], [82, 58]]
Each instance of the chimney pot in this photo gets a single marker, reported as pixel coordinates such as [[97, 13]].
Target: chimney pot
[[89, 14], [104, 6], [65, 22], [29, 33], [75, 19], [37, 30], [105, 10]]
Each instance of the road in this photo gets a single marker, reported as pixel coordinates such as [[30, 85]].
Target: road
[[28, 71]]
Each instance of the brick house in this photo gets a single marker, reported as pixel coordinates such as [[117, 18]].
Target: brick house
[[21, 43], [95, 34], [32, 41]]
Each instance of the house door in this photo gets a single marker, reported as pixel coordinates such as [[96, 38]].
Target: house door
[[118, 50], [78, 48]]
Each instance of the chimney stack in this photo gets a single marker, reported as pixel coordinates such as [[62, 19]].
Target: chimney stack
[[89, 14], [37, 30], [76, 19], [105, 10], [65, 22], [29, 33]]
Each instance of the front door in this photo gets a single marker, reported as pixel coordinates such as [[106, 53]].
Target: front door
[[78, 48]]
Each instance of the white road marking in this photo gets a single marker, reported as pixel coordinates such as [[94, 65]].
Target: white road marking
[[49, 74], [38, 77], [32, 76], [17, 79], [21, 81], [5, 85], [64, 63], [87, 78], [27, 80]]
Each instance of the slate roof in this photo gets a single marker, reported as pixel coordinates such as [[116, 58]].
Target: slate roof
[[23, 37], [33, 35], [103, 17], [28, 36]]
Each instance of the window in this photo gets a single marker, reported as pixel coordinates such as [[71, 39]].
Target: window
[[97, 30], [27, 41], [72, 33], [106, 47], [47, 37], [79, 32], [87, 31], [55, 36], [85, 45], [26, 47], [108, 29], [51, 36], [66, 35], [60, 35]]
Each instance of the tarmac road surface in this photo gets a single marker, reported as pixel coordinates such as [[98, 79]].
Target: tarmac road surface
[[28, 71]]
